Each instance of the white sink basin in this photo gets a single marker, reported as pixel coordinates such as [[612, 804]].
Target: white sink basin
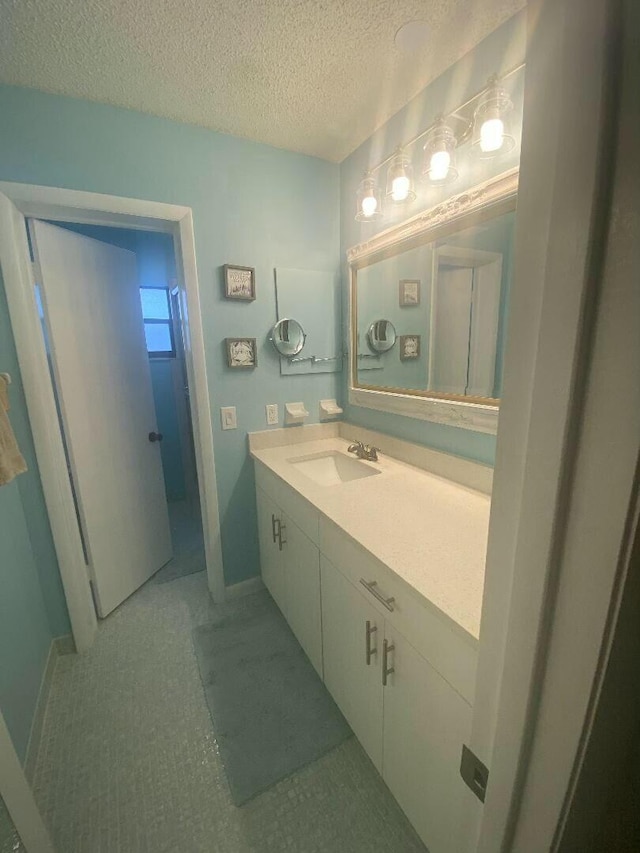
[[331, 467]]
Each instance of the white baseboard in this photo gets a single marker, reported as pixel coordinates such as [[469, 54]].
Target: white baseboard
[[248, 587], [59, 646]]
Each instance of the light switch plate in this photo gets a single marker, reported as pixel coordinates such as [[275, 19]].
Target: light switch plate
[[228, 417], [272, 413]]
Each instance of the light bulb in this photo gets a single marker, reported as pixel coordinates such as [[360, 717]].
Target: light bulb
[[492, 135], [369, 205], [439, 165], [400, 188]]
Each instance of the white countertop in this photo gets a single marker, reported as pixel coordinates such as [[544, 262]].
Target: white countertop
[[428, 530]]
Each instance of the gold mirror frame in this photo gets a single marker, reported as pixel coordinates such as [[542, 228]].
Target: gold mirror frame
[[497, 196]]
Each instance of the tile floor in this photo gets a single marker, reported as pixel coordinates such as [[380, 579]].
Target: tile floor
[[187, 540], [128, 761]]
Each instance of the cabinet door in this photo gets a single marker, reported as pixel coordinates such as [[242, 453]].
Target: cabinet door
[[425, 724], [355, 686], [302, 579], [271, 557]]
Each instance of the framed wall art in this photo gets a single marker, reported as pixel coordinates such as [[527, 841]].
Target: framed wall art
[[239, 283], [409, 347], [409, 292], [241, 352]]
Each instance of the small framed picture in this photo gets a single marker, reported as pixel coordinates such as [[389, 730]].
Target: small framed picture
[[409, 292], [239, 283], [409, 347], [241, 352]]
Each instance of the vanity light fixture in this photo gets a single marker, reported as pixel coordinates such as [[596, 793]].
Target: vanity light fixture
[[369, 201], [490, 123], [400, 178], [483, 121], [440, 154]]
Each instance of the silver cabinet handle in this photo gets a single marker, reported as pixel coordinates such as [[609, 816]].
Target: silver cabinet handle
[[372, 587], [274, 521], [369, 652], [386, 669], [281, 541]]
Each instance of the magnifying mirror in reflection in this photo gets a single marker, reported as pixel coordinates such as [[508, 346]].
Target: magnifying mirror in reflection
[[288, 337], [381, 335]]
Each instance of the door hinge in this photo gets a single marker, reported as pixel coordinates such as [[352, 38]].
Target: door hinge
[[474, 773]]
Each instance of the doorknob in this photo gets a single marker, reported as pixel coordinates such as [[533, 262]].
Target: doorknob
[[155, 436]]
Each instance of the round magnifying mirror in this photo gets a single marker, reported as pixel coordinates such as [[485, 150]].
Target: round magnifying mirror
[[288, 337], [381, 335]]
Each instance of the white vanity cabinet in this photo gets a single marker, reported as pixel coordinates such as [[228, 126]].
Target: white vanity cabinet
[[425, 724], [290, 564], [271, 561], [302, 582], [345, 606], [413, 726], [352, 634]]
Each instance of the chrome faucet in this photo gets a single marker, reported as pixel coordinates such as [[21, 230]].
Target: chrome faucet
[[364, 451]]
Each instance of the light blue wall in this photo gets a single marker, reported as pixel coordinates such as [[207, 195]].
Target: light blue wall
[[32, 604], [252, 205], [503, 49]]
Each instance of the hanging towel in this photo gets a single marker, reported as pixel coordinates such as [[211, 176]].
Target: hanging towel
[[11, 460]]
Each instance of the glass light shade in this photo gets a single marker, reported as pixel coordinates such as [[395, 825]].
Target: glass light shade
[[490, 122], [440, 155], [369, 200], [400, 179]]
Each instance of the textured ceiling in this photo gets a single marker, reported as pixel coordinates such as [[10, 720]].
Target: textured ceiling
[[316, 76]]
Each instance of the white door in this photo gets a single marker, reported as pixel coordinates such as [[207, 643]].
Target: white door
[[271, 556], [355, 684], [425, 724], [451, 322], [94, 317], [302, 578], [485, 310]]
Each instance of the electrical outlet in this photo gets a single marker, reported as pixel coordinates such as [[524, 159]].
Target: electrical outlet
[[228, 417], [272, 413]]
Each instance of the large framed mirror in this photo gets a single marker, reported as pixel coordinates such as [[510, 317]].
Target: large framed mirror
[[442, 282]]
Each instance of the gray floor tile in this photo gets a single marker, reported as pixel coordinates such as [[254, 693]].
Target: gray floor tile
[[129, 762]]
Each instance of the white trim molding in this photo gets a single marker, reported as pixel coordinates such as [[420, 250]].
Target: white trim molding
[[16, 202], [502, 188], [19, 799], [472, 416]]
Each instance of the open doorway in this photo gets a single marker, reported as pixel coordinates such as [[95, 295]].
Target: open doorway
[[117, 360]]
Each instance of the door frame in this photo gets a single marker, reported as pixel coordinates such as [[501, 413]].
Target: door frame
[[19, 799], [18, 202], [186, 432]]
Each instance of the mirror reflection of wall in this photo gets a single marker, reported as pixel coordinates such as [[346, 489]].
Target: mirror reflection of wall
[[311, 297], [448, 301]]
